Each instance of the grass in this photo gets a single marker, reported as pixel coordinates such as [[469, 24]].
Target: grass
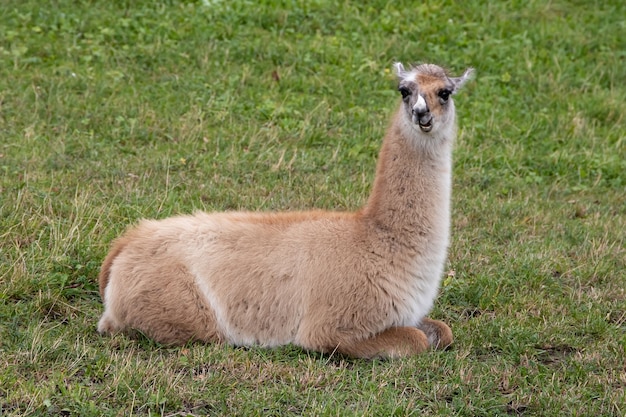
[[115, 111]]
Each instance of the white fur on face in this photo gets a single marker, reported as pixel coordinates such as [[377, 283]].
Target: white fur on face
[[420, 105]]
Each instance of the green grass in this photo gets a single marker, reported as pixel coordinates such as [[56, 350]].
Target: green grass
[[115, 111]]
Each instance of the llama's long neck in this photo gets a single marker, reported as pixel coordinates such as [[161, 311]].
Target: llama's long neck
[[409, 206]]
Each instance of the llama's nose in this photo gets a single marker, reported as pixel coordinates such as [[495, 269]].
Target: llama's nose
[[420, 113]]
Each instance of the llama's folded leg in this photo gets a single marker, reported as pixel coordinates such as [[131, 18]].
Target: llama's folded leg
[[108, 324], [438, 333], [396, 342]]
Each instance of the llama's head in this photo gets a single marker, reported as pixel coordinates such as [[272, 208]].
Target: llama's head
[[426, 94]]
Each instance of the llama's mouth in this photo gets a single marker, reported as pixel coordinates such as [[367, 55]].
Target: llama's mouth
[[424, 121], [426, 127]]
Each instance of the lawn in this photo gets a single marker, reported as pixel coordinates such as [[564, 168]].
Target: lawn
[[115, 111]]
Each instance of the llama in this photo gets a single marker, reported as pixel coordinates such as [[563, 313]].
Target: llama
[[357, 283]]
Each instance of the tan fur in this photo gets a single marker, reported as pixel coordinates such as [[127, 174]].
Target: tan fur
[[357, 283]]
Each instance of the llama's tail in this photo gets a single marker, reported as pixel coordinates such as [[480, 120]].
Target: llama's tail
[[105, 271]]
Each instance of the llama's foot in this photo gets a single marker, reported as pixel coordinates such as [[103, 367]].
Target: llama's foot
[[107, 325], [438, 333], [396, 342]]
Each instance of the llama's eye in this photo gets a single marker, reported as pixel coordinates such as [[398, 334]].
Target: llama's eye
[[404, 91], [444, 94]]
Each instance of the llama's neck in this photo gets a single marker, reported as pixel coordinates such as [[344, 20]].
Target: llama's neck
[[410, 200]]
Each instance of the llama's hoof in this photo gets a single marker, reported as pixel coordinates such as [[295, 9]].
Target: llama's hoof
[[438, 333], [106, 325]]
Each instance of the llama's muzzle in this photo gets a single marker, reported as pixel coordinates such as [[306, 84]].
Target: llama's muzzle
[[424, 120]]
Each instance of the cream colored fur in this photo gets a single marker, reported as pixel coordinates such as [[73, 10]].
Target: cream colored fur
[[357, 283]]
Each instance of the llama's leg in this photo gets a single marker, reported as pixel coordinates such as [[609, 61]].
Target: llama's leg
[[176, 314], [395, 342], [163, 304], [438, 333], [108, 324]]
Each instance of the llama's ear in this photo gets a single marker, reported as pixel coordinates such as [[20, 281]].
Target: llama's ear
[[400, 71], [460, 81]]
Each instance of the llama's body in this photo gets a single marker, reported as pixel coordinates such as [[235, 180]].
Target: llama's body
[[360, 283]]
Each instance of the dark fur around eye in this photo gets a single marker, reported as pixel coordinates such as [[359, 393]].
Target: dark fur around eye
[[444, 94], [404, 91]]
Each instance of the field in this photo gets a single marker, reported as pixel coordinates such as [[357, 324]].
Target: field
[[115, 111]]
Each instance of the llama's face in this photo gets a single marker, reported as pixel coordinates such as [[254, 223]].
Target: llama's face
[[426, 94]]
